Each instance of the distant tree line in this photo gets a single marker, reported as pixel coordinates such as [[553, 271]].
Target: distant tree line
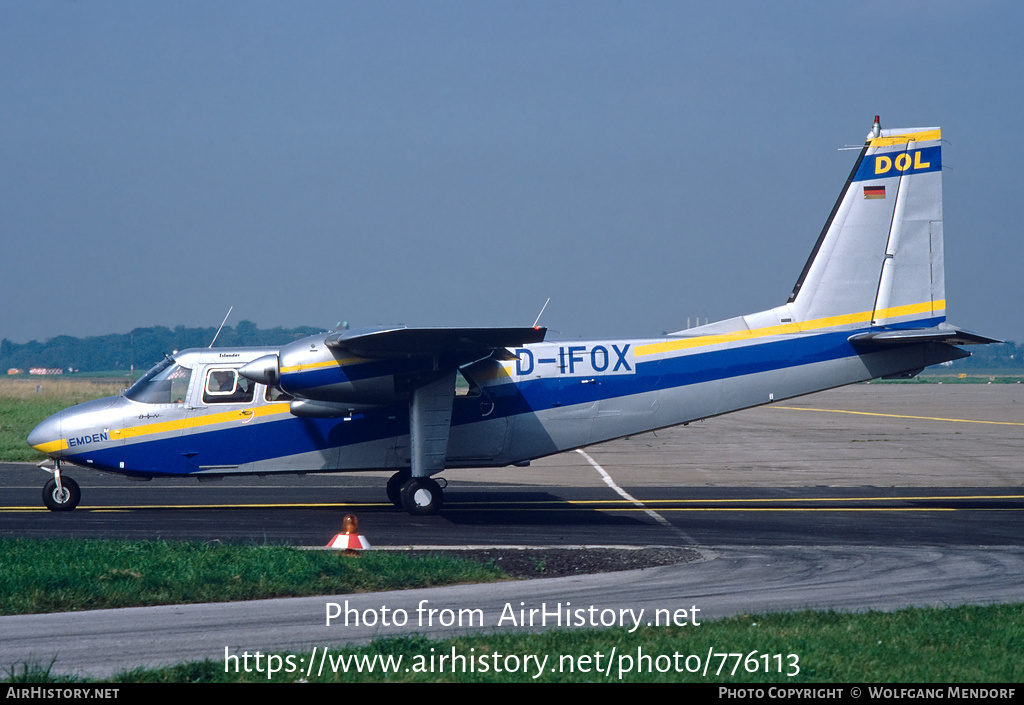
[[140, 349], [1001, 355]]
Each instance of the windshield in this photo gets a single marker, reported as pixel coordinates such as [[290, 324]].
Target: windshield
[[167, 383]]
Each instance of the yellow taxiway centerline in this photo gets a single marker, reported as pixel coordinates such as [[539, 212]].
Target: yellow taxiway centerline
[[898, 416]]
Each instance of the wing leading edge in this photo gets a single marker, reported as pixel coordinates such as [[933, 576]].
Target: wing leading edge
[[424, 342]]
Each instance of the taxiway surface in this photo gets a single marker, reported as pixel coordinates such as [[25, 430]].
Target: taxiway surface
[[868, 497]]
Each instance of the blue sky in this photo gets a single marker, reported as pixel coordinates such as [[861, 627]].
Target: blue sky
[[457, 163]]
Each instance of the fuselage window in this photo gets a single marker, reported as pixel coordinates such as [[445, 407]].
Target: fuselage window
[[277, 394], [226, 386]]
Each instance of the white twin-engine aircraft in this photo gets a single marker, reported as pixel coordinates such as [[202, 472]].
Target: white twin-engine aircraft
[[869, 303]]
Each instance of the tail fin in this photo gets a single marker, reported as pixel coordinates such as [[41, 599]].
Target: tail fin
[[878, 260], [879, 257]]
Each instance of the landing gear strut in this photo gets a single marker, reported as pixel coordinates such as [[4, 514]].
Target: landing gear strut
[[61, 494]]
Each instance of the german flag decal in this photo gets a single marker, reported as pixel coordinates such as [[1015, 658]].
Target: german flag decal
[[874, 192]]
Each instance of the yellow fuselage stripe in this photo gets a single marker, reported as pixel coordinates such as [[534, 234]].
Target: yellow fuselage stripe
[[789, 328], [198, 421], [323, 363], [52, 446], [236, 415]]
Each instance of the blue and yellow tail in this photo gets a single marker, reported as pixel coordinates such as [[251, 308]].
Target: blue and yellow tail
[[879, 257], [877, 267]]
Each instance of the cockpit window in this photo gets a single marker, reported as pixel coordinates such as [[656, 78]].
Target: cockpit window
[[226, 385], [167, 383]]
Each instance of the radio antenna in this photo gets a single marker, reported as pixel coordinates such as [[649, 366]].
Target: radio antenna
[[541, 312], [230, 309]]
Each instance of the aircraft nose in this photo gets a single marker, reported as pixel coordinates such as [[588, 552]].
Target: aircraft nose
[[46, 435]]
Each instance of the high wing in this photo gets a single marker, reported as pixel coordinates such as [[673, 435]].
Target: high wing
[[466, 344], [372, 365]]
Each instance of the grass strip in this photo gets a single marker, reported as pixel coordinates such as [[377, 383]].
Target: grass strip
[[62, 575], [26, 402]]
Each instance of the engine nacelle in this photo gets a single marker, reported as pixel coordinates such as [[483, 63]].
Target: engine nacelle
[[310, 369]]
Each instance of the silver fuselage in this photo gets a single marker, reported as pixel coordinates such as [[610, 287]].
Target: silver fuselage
[[552, 397]]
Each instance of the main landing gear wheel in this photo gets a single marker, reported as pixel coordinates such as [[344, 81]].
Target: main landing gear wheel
[[64, 499], [395, 486], [422, 496]]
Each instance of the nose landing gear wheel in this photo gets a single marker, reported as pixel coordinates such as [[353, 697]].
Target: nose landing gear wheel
[[422, 496], [64, 499]]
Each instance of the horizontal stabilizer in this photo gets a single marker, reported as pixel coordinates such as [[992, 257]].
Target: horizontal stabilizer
[[944, 333], [422, 342]]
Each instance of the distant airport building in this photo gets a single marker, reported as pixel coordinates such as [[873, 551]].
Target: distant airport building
[[15, 371], [46, 371]]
